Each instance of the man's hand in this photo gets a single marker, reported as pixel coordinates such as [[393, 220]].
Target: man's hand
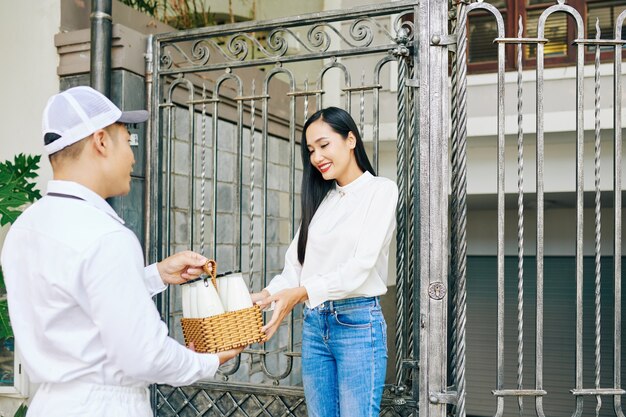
[[228, 354], [222, 356], [285, 301], [181, 267]]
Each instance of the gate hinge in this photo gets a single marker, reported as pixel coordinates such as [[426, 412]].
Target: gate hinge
[[444, 40], [448, 397], [412, 82], [410, 364]]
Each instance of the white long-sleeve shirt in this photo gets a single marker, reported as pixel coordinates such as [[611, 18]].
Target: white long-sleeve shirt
[[347, 248], [80, 298]]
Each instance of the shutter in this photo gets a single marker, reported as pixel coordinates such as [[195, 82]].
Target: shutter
[[559, 334]]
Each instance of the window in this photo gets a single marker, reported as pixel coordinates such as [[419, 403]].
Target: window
[[606, 12], [13, 382], [559, 29], [12, 379]]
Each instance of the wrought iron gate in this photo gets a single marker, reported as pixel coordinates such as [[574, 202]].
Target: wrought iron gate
[[228, 103], [523, 391]]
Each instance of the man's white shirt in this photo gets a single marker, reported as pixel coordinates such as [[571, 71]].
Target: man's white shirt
[[80, 297]]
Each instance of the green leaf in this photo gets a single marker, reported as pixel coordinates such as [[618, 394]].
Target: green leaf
[[21, 411], [5, 323], [16, 186]]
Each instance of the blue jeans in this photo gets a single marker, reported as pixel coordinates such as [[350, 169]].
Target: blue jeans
[[344, 357]]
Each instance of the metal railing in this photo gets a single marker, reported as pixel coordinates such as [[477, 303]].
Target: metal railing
[[459, 220]]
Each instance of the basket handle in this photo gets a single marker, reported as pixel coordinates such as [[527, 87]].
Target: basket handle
[[210, 268]]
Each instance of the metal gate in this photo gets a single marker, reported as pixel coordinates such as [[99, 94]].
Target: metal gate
[[228, 103], [588, 384]]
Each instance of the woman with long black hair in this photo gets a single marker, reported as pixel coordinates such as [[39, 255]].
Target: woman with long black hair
[[337, 265]]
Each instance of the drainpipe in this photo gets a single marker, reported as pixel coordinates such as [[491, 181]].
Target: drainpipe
[[151, 165], [101, 23]]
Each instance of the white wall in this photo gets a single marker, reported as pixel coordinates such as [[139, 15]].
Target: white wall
[[559, 127], [559, 232], [27, 77]]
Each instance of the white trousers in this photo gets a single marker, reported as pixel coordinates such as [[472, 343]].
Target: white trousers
[[78, 399]]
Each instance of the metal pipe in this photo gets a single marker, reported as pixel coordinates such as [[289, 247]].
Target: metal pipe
[[100, 63], [150, 158]]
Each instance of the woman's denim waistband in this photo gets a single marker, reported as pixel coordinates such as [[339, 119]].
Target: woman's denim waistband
[[331, 306]]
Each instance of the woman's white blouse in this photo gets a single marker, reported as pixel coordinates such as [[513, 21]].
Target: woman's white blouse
[[348, 245]]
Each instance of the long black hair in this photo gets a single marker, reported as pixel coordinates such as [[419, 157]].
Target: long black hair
[[314, 186]]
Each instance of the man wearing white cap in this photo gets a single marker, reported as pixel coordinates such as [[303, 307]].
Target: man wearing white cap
[[79, 295]]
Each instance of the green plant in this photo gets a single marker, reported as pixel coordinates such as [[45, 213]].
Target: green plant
[[181, 14], [16, 190], [21, 411]]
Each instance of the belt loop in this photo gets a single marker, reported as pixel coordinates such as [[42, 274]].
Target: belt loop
[[377, 301], [331, 306]]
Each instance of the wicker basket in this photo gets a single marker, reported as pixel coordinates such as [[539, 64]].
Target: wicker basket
[[223, 331]]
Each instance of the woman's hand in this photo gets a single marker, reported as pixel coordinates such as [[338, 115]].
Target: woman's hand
[[181, 267], [285, 301]]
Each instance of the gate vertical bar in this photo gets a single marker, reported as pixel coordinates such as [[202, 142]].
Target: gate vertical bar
[[459, 213], [617, 190], [433, 127], [540, 151], [401, 258], [501, 214], [416, 231], [579, 220], [411, 243], [598, 221]]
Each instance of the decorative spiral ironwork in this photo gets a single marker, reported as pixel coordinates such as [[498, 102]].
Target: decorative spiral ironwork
[[520, 222], [401, 221], [598, 221], [238, 47], [166, 60], [277, 43], [361, 32], [322, 37], [203, 172], [412, 220], [403, 23], [200, 53], [459, 211], [318, 39], [252, 169]]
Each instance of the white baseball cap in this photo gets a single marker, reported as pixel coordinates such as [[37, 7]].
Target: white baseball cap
[[76, 113]]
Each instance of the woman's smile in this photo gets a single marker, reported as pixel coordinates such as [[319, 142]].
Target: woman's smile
[[324, 167]]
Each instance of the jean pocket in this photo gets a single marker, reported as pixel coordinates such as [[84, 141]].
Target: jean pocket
[[354, 318]]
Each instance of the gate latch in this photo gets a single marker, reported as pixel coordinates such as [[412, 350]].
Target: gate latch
[[448, 397]]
